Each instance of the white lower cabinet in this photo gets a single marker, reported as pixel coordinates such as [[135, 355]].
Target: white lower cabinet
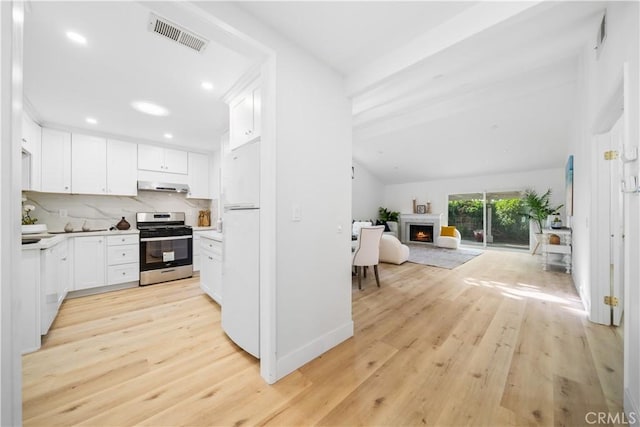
[[44, 284], [211, 268], [123, 259], [29, 301], [54, 282], [89, 262]]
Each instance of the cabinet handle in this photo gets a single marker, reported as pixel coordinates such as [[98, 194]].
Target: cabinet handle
[[66, 187], [124, 254], [24, 140], [64, 259], [124, 273], [211, 258]]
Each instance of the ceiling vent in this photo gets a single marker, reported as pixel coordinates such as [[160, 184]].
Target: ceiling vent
[[176, 33]]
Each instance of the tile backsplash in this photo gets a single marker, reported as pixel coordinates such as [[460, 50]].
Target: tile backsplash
[[100, 212]]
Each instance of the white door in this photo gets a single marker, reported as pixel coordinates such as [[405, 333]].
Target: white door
[[608, 228], [617, 223], [88, 164], [122, 168]]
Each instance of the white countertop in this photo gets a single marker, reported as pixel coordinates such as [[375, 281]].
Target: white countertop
[[48, 240], [211, 227], [212, 235]]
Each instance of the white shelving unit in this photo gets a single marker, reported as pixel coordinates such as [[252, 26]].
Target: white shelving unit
[[563, 249]]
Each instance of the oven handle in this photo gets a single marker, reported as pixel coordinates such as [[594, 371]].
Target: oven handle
[[157, 239]]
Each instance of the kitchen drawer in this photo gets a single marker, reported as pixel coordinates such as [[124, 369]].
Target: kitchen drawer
[[211, 247], [123, 254], [123, 239], [123, 273]]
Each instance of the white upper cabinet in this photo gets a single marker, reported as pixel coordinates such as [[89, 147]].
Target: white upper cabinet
[[199, 180], [244, 116], [122, 168], [32, 144], [160, 159], [89, 166], [56, 163], [103, 166]]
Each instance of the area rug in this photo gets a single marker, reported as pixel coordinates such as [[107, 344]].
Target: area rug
[[440, 257]]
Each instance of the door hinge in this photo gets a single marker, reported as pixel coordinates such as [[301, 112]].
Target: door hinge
[[610, 155], [612, 301]]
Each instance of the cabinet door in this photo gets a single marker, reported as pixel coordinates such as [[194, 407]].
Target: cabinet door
[[56, 161], [32, 143], [241, 117], [199, 176], [176, 161], [122, 168], [89, 262], [150, 158], [88, 164], [64, 271]]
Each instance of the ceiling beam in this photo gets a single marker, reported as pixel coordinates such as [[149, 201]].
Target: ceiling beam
[[469, 22]]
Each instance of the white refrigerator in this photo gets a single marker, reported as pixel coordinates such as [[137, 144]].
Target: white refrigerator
[[241, 256]]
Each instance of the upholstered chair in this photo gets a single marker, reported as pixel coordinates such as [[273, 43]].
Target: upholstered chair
[[367, 252]]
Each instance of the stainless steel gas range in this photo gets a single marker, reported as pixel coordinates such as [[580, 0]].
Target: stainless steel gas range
[[166, 249]]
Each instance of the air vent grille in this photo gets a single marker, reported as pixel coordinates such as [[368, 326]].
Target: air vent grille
[[176, 33]]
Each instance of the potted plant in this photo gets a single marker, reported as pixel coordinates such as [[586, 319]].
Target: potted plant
[[390, 219], [386, 215], [538, 207]]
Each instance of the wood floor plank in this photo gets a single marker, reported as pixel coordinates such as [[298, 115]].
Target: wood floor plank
[[494, 342]]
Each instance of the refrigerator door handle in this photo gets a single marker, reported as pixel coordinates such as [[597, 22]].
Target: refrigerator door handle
[[239, 206]]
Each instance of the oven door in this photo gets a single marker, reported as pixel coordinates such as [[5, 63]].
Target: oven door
[[165, 252]]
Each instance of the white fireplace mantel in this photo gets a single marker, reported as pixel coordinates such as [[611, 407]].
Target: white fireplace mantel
[[419, 219]]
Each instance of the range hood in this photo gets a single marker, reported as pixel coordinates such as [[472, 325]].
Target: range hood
[[163, 186]]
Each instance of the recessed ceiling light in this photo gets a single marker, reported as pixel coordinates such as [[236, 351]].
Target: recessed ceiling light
[[91, 120], [150, 108], [168, 135], [207, 85], [75, 37]]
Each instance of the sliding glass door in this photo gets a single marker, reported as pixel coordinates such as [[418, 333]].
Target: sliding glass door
[[467, 212], [491, 219]]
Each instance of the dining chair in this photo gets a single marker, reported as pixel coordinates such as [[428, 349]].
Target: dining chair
[[368, 252]]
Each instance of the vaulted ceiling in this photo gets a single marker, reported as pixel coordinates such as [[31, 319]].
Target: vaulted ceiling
[[449, 89]]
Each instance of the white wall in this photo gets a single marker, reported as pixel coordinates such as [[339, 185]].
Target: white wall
[[399, 197], [598, 82], [367, 193], [312, 138]]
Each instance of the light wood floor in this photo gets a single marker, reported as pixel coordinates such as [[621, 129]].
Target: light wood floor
[[494, 342]]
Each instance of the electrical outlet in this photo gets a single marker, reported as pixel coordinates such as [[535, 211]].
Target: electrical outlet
[[63, 213]]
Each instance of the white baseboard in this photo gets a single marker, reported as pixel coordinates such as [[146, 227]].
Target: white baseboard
[[292, 361], [631, 409]]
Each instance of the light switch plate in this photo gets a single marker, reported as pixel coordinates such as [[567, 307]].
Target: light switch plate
[[295, 212]]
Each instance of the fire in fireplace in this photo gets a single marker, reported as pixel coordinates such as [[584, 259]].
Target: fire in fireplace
[[421, 233]]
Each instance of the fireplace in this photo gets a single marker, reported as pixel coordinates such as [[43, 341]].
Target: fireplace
[[422, 233], [427, 224]]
